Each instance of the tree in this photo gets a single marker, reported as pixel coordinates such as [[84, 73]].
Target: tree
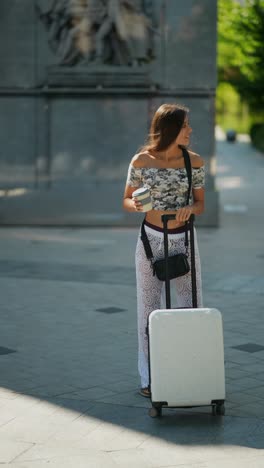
[[241, 50]]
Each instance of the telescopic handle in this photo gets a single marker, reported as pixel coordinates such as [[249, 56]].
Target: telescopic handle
[[193, 267], [165, 218]]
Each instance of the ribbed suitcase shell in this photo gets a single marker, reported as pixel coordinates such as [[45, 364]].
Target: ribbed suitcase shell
[[186, 356]]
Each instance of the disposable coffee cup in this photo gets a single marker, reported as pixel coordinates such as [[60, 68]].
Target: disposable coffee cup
[[143, 195]]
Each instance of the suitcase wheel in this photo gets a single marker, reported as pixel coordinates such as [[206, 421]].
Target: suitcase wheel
[[218, 409], [155, 411]]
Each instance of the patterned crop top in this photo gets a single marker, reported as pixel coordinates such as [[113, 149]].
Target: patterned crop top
[[168, 186]]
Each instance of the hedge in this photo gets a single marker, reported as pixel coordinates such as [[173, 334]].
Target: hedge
[[257, 136]]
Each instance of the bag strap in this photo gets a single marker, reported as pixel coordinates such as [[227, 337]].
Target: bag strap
[[144, 238], [191, 224], [188, 167]]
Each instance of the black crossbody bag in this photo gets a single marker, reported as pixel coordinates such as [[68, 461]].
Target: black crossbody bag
[[178, 265]]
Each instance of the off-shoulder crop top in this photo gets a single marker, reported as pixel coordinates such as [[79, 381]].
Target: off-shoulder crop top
[[168, 186]]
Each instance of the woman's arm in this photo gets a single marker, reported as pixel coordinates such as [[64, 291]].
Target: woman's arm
[[198, 201], [129, 203], [133, 182], [197, 208]]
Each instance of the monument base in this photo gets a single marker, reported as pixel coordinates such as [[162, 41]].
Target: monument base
[[210, 217], [66, 205], [96, 76], [83, 147]]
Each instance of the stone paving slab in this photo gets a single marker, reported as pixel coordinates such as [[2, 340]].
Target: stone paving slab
[[69, 390]]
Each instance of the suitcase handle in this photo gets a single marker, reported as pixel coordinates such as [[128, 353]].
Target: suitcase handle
[[165, 218], [193, 267]]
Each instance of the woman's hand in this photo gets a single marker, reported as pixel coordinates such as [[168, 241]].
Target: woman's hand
[[137, 204], [183, 214]]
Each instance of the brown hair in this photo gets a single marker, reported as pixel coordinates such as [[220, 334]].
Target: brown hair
[[166, 125]]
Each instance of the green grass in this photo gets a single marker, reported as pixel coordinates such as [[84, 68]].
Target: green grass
[[231, 112]]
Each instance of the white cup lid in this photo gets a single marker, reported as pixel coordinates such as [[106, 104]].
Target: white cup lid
[[140, 191]]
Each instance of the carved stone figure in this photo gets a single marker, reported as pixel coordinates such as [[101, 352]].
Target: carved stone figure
[[115, 32], [66, 23], [127, 28]]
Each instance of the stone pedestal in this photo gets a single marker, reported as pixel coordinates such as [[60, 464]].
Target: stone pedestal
[[99, 76]]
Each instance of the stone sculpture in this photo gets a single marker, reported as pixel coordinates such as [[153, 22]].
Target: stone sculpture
[[113, 32]]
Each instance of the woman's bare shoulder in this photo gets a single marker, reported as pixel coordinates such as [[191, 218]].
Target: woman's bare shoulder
[[140, 159], [196, 160]]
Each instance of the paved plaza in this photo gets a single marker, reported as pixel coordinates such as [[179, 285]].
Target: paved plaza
[[68, 342]]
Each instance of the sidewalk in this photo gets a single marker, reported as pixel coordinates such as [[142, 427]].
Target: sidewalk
[[68, 342]]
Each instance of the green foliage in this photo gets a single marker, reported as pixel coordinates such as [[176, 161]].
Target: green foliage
[[231, 112], [241, 50], [229, 50], [257, 135]]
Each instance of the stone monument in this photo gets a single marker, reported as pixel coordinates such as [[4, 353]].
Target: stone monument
[[80, 82]]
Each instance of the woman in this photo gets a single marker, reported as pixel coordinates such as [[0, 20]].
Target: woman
[[160, 167]]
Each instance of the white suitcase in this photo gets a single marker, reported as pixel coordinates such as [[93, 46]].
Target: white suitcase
[[186, 358], [186, 349]]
